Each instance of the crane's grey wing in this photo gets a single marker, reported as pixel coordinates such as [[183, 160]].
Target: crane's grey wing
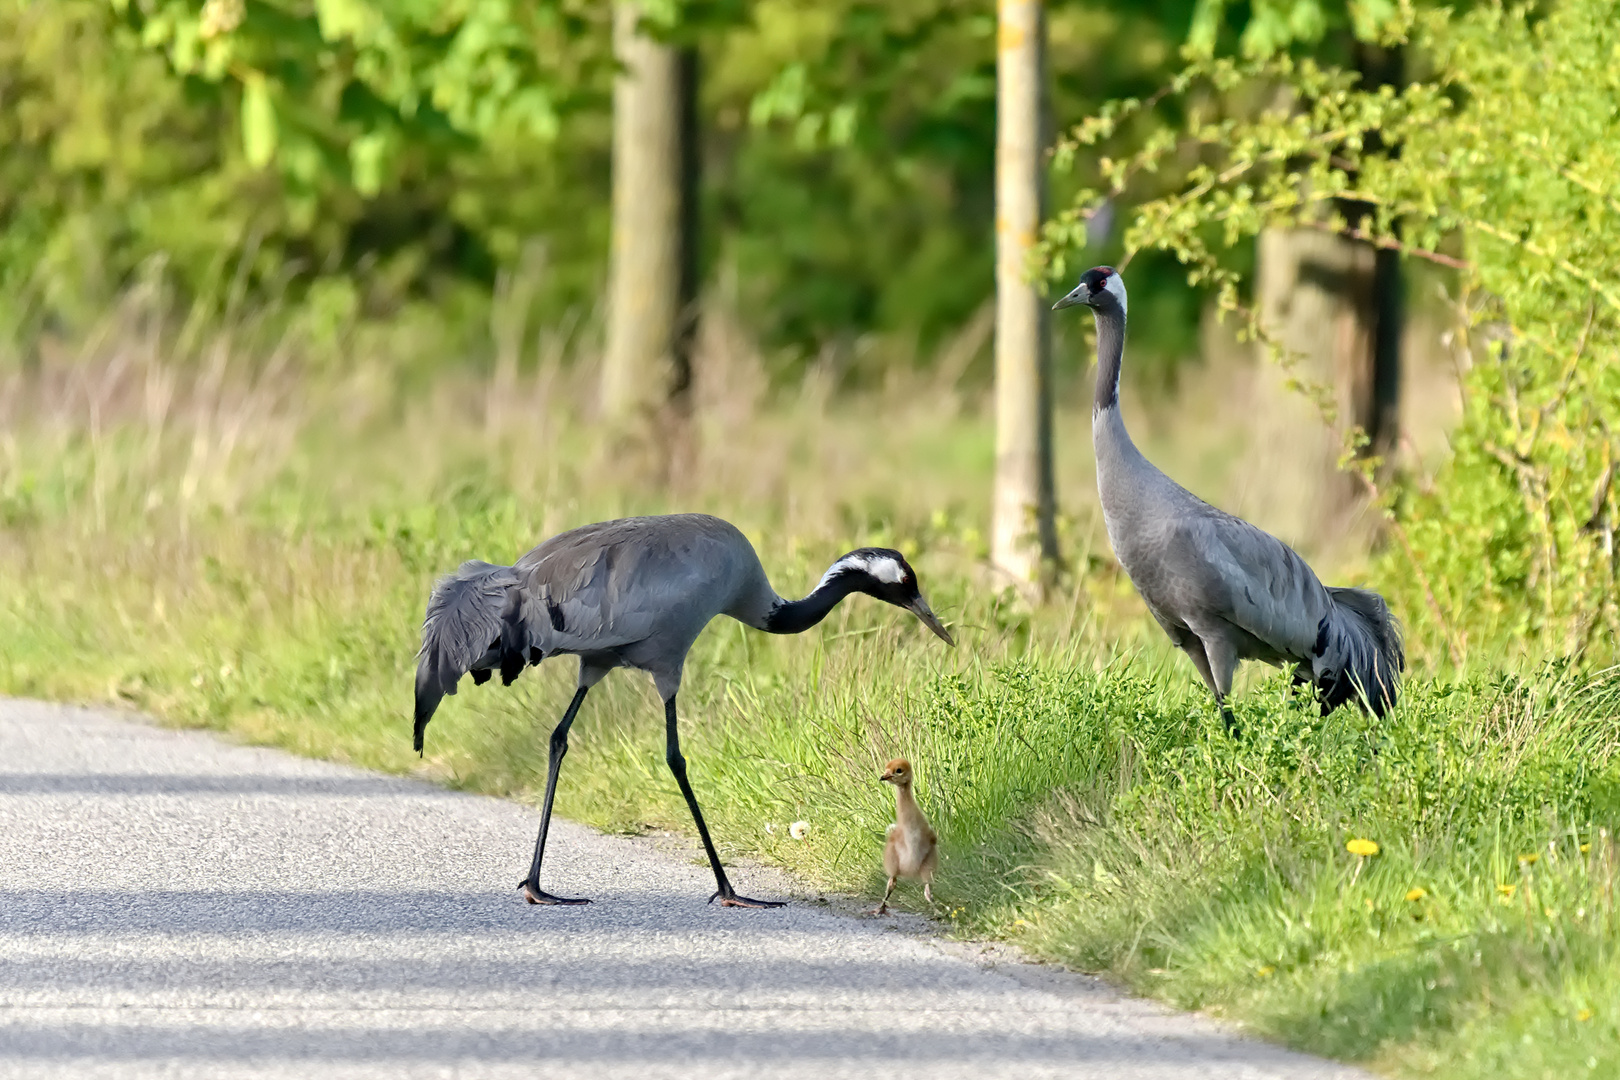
[[610, 585], [576, 600], [1257, 583]]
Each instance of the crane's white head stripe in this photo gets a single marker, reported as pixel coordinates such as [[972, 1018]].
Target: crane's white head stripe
[[1116, 285], [882, 567]]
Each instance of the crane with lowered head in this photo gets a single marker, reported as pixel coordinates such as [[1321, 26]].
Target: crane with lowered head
[[1222, 589], [634, 593]]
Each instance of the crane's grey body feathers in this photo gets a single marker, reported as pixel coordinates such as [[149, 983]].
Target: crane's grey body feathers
[[1223, 590], [603, 590], [598, 592], [629, 593]]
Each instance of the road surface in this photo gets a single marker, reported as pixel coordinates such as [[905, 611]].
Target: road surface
[[175, 905]]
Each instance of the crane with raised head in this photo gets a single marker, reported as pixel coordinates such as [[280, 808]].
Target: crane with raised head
[[1223, 590], [633, 593]]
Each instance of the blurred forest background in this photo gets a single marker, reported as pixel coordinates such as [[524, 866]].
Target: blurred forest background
[[302, 302]]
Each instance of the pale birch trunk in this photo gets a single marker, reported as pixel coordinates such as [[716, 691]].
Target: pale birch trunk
[[652, 282], [1023, 535]]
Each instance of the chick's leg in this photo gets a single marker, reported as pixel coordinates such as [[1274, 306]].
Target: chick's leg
[[883, 908]]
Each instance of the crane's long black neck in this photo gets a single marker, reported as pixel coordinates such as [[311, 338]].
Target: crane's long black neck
[[1110, 352], [797, 616]]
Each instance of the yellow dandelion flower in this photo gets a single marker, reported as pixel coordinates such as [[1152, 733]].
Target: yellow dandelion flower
[[1530, 858], [1416, 892], [1505, 890], [1584, 1015], [1585, 848], [1364, 848], [1266, 971]]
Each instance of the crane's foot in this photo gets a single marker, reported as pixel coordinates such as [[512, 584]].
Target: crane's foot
[[534, 894], [1227, 718], [881, 909], [728, 898]]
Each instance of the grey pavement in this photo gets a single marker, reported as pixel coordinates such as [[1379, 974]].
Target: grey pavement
[[176, 905]]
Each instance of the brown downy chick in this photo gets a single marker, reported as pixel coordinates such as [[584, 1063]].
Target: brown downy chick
[[912, 850]]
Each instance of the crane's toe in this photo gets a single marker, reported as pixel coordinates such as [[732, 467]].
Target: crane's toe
[[728, 898], [534, 894]]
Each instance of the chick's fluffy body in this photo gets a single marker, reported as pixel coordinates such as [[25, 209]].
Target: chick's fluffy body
[[911, 849]]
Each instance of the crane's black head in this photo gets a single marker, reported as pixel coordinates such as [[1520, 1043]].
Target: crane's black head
[[1101, 289], [885, 574]]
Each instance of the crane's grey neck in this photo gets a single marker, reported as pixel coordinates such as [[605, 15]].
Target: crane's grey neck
[[1110, 352]]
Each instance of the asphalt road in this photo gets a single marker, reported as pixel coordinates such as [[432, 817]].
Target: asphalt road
[[175, 905]]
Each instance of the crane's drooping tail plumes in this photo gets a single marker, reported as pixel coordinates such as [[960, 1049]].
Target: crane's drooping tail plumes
[[473, 622], [1358, 653]]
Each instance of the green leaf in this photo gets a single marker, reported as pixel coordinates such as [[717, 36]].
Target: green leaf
[[367, 156], [258, 121], [342, 18]]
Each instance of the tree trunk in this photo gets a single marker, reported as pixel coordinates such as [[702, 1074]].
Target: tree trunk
[[1314, 292], [1023, 535], [1378, 406], [653, 267], [1338, 303]]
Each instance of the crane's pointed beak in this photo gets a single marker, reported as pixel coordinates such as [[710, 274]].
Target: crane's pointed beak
[[919, 607], [1078, 295]]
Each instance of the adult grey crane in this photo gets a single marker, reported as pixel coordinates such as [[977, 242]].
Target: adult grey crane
[[1222, 589], [629, 593]]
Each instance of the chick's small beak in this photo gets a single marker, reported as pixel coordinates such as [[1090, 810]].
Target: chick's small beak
[[1078, 295], [919, 607]]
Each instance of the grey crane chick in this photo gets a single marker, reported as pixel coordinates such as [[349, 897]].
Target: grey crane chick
[[910, 848], [1222, 589], [629, 593]]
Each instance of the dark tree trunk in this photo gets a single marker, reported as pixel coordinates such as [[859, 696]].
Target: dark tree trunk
[[1375, 404]]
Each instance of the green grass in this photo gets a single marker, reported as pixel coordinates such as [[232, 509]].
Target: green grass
[[255, 560]]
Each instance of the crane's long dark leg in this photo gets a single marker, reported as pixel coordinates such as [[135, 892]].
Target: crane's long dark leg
[[1215, 665], [1222, 663], [677, 765], [559, 747]]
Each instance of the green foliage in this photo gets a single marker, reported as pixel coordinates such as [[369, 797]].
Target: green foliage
[[1272, 26], [263, 157], [406, 155], [1497, 166]]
